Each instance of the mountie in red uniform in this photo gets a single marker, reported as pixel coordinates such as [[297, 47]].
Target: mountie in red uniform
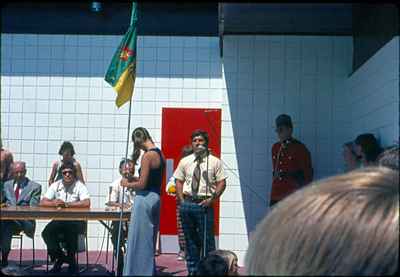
[[292, 168]]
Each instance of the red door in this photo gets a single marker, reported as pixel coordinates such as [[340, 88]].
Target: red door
[[177, 127]]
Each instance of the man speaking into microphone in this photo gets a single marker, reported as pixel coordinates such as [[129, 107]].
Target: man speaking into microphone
[[200, 181]]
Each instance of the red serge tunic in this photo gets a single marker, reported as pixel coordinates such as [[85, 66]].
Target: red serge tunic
[[292, 168]]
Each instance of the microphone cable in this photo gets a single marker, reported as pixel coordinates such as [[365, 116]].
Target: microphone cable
[[232, 170]]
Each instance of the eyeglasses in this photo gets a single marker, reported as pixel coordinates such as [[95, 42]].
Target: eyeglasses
[[67, 172]]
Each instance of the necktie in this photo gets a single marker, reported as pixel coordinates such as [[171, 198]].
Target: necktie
[[17, 192], [196, 178]]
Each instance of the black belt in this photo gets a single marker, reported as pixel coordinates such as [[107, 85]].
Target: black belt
[[196, 199], [297, 175]]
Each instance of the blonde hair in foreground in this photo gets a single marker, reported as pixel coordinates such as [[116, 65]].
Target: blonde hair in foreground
[[343, 225]]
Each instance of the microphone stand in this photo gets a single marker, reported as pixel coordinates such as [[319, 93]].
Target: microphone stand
[[204, 254]]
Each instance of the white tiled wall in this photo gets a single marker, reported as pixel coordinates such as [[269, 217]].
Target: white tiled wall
[[52, 89], [266, 76], [372, 96]]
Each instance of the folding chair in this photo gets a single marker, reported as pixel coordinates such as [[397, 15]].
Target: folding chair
[[20, 238]]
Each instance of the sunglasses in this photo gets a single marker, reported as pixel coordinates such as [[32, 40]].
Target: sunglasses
[[67, 172]]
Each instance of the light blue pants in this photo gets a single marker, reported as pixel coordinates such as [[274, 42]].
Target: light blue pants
[[142, 235]]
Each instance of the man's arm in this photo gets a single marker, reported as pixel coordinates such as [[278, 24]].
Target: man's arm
[[79, 204], [50, 200], [45, 202], [179, 176], [306, 165], [179, 190], [219, 189], [35, 198]]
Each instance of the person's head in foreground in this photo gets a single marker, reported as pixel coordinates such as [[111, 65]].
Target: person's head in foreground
[[343, 225], [212, 265], [230, 257]]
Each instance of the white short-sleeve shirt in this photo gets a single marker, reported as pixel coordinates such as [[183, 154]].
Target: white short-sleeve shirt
[[215, 173], [73, 193], [116, 193]]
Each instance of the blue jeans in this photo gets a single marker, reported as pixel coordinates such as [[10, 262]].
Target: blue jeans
[[192, 216], [142, 235]]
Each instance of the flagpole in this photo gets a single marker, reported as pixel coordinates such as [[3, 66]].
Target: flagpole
[[132, 21], [123, 188]]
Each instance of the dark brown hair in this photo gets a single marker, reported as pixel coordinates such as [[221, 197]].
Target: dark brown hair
[[202, 133], [343, 225], [66, 145], [369, 146], [139, 136]]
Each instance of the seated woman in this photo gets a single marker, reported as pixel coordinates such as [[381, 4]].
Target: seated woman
[[67, 152]]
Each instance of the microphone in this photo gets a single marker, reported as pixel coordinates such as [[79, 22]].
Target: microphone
[[200, 152], [202, 149]]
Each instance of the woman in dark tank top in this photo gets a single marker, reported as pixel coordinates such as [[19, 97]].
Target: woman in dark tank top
[[155, 175], [145, 215]]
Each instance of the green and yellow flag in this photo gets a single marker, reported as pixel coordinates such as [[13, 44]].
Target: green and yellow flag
[[121, 73]]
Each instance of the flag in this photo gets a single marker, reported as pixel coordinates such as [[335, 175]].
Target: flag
[[121, 72]]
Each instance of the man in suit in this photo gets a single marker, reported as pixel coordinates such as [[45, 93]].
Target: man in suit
[[19, 191]]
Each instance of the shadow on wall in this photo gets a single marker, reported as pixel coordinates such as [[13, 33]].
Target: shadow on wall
[[248, 115], [90, 56]]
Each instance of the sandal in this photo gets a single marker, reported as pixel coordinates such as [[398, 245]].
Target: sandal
[[181, 256]]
